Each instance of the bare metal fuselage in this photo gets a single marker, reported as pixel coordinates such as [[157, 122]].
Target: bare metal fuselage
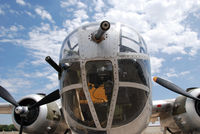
[[120, 58]]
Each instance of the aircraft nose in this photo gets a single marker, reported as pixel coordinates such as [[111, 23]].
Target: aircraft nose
[[106, 84]]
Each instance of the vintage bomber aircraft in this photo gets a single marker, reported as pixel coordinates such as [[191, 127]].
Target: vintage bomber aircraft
[[105, 88]]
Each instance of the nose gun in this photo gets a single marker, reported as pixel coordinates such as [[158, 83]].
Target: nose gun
[[98, 36]]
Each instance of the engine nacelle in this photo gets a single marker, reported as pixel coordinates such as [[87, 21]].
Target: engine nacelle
[[43, 119], [185, 114]]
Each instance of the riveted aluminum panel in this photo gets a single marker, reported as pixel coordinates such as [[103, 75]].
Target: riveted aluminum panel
[[106, 48]]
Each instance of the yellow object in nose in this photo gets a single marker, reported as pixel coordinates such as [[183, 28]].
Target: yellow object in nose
[[97, 95]]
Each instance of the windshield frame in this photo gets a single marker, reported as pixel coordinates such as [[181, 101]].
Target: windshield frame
[[83, 84]]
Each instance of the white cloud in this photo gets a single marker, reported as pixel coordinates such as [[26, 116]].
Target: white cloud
[[174, 49], [9, 32], [13, 28], [2, 12], [81, 14], [53, 78], [15, 12], [21, 2], [72, 24], [44, 41], [3, 31], [81, 5], [14, 84], [4, 8], [47, 73], [174, 73], [159, 22], [76, 3], [44, 14], [29, 14], [184, 73], [196, 14], [128, 5], [100, 4], [67, 3], [156, 64], [128, 17], [177, 58]]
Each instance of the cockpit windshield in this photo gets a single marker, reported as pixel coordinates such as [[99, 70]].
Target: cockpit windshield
[[70, 47], [100, 84], [131, 41]]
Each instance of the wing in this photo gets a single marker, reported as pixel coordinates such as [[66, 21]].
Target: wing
[[6, 108], [161, 108], [163, 112]]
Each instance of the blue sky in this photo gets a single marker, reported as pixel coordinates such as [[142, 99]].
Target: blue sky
[[32, 30]]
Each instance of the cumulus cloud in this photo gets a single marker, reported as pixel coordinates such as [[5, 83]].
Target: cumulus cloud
[[80, 17], [68, 3], [184, 73], [21, 2], [14, 84], [29, 14], [47, 74], [4, 8], [9, 32], [44, 14], [174, 49], [53, 78], [43, 41], [100, 4], [81, 5], [174, 73], [177, 58], [160, 23], [156, 64], [81, 14], [13, 28]]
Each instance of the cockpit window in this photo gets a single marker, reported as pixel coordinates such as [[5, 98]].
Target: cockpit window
[[129, 45], [77, 107], [74, 100], [130, 41], [72, 74], [100, 85], [130, 103], [70, 47], [132, 70]]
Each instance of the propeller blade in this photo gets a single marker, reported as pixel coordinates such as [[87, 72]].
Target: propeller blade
[[174, 88], [47, 99], [21, 125], [6, 96]]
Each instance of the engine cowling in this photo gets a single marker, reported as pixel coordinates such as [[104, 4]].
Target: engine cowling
[[185, 114], [43, 119]]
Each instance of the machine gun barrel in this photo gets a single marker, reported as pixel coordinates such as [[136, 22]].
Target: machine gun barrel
[[53, 64], [98, 36]]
